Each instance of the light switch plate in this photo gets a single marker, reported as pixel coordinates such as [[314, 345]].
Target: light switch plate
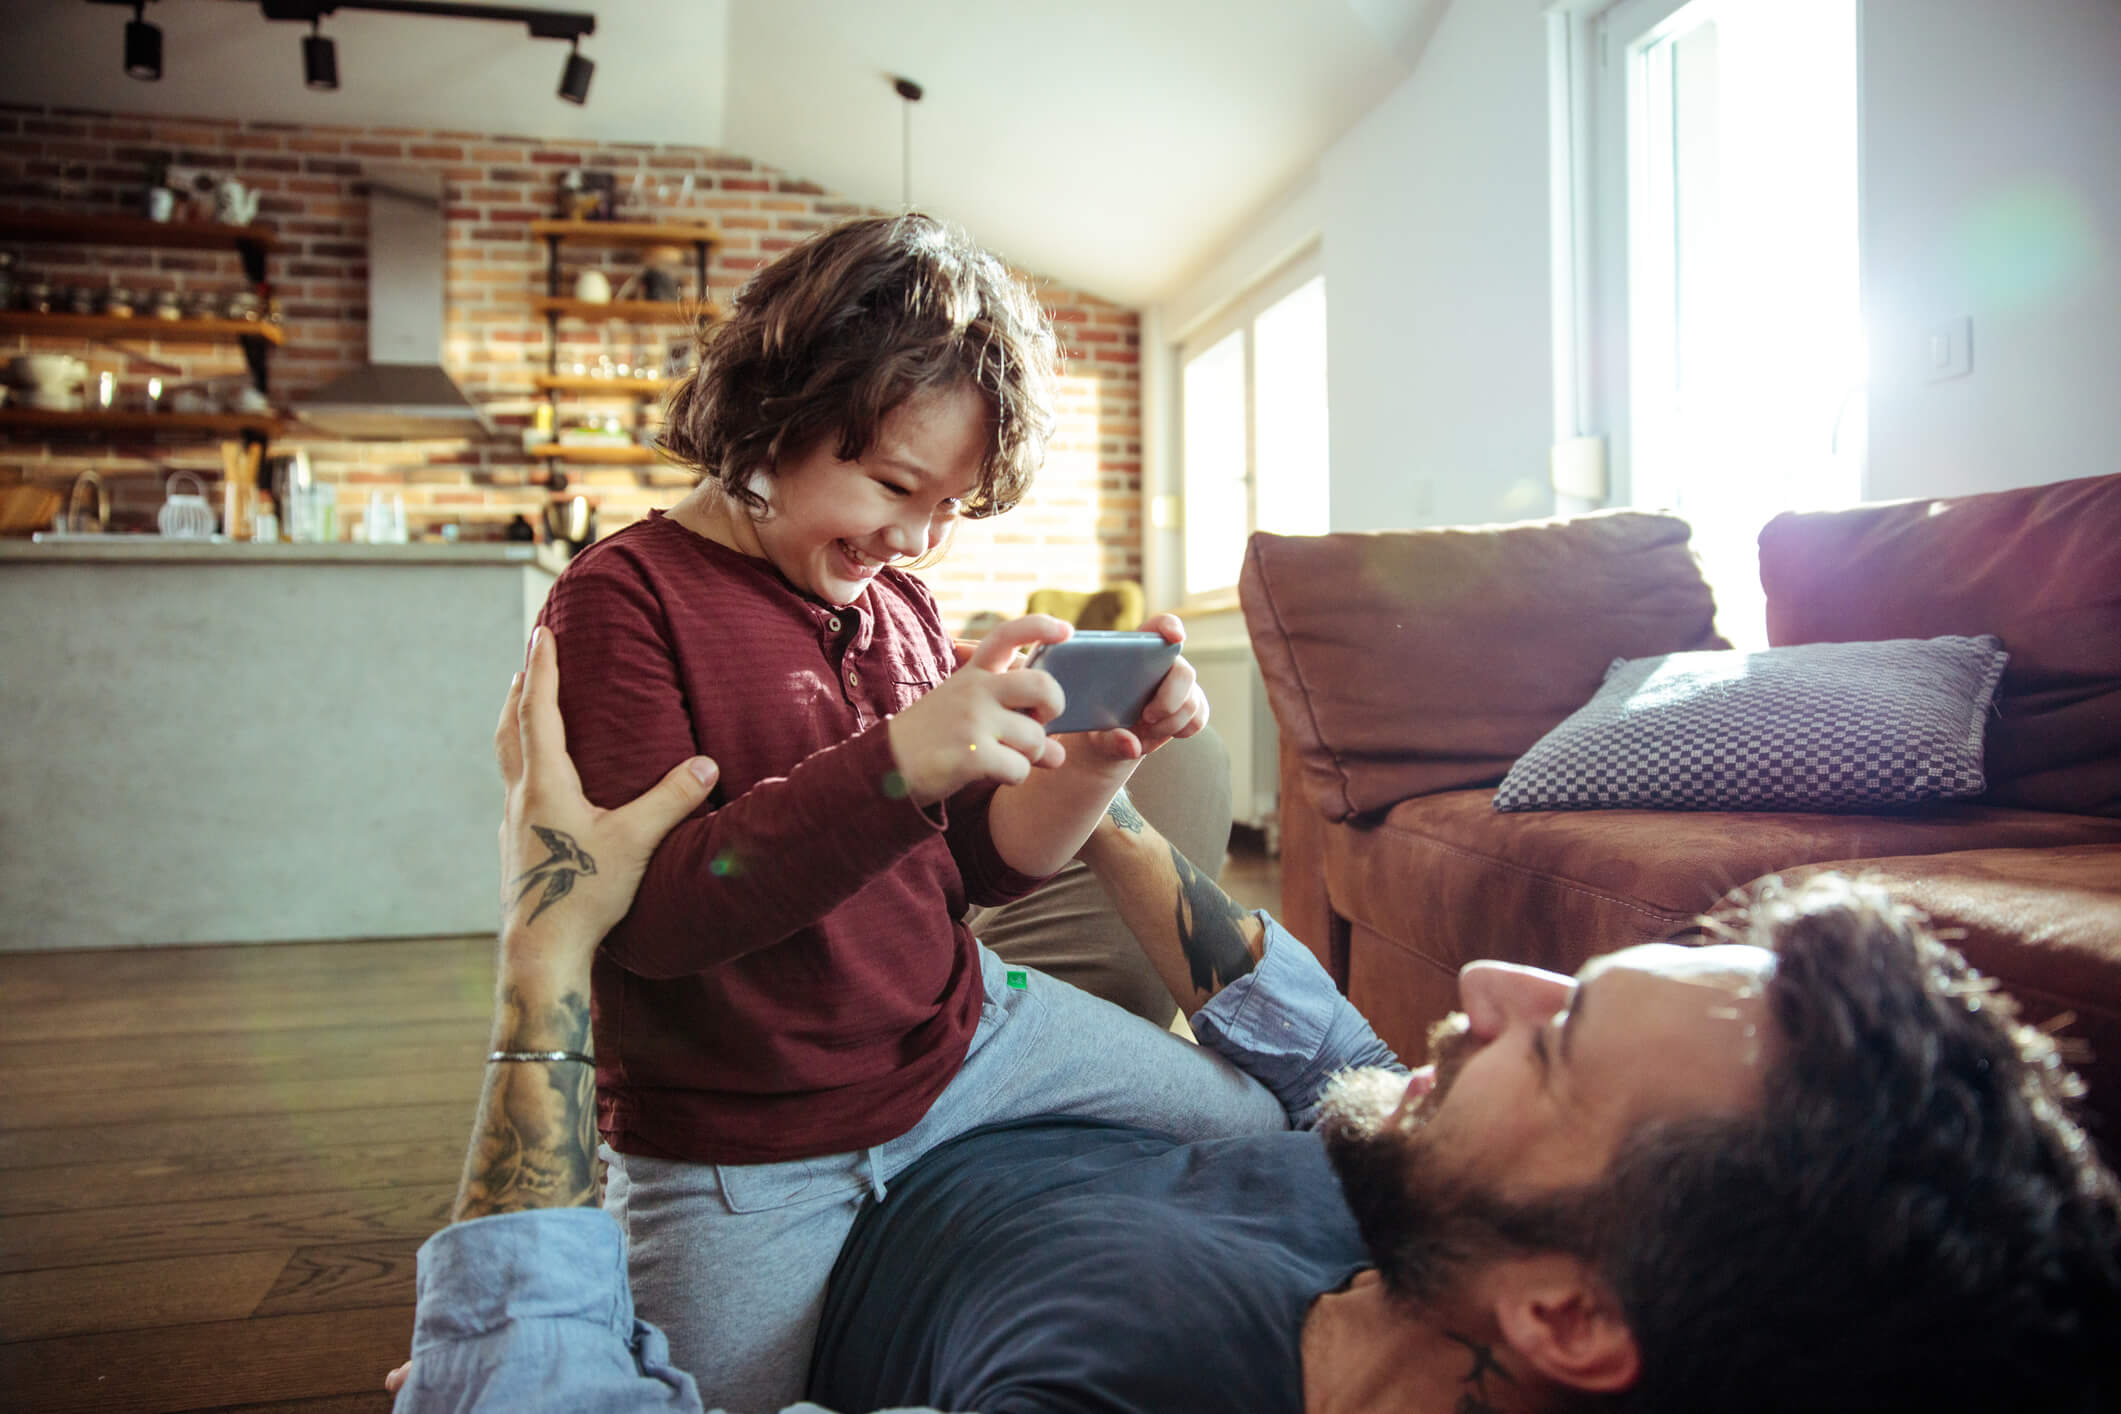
[[1577, 467], [1948, 350]]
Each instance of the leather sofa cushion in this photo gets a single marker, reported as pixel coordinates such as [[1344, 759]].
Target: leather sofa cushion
[[1448, 879], [1405, 662], [2040, 568], [2046, 924]]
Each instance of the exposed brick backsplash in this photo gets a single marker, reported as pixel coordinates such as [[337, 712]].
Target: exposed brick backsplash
[[1081, 525]]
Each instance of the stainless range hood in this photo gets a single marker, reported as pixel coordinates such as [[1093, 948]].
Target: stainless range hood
[[402, 392]]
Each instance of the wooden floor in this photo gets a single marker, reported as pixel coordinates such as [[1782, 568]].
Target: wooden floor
[[216, 1164]]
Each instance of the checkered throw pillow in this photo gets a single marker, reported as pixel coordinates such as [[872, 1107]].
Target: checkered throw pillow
[[1818, 726]]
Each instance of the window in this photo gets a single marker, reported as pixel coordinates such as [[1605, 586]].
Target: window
[[1723, 143], [1253, 429]]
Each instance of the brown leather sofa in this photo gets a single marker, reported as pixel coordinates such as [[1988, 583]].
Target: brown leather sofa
[[1408, 670]]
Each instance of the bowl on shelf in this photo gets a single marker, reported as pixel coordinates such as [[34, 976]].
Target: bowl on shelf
[[47, 373]]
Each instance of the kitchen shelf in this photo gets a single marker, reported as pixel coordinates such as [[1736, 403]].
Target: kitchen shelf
[[608, 453], [141, 327], [634, 311], [626, 233], [617, 387], [256, 338], [91, 229], [223, 424], [555, 306]]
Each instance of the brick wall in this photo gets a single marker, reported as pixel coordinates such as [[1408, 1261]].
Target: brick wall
[[1081, 526]]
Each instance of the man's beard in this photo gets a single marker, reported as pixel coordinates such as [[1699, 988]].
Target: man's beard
[[1423, 1223], [1360, 1104]]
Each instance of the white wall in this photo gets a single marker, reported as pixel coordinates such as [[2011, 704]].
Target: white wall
[[1435, 241], [1432, 216], [1991, 149], [1992, 189]]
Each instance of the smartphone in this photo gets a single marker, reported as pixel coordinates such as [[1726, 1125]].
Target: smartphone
[[1108, 677]]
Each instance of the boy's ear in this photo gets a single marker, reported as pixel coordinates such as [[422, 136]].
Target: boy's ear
[[1561, 1321]]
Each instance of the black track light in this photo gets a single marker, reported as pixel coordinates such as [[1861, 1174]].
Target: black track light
[[574, 79], [143, 46], [320, 60]]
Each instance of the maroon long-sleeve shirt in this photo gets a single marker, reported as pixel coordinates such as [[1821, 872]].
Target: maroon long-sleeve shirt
[[795, 977]]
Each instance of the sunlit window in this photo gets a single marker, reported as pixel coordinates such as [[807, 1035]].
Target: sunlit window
[[1745, 342], [1254, 429]]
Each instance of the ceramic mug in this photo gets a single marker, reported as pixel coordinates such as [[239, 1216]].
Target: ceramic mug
[[592, 287]]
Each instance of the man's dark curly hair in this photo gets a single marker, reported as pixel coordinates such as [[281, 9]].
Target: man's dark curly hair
[[1912, 1220], [831, 337]]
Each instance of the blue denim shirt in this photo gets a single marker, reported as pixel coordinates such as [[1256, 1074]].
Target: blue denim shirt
[[531, 1311]]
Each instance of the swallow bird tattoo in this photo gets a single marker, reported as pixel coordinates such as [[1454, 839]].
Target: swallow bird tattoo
[[568, 862]]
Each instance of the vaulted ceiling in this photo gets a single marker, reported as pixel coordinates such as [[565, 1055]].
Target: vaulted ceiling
[[1113, 144]]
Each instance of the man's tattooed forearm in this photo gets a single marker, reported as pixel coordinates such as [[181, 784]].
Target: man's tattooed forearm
[[1125, 815], [1475, 1400], [1210, 929], [534, 1142], [567, 862]]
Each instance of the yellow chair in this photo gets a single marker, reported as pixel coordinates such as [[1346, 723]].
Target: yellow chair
[[1116, 606]]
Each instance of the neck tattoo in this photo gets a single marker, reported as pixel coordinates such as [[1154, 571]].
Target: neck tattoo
[[1474, 1399]]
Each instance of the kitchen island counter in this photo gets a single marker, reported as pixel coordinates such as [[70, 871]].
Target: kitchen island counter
[[146, 549], [212, 742]]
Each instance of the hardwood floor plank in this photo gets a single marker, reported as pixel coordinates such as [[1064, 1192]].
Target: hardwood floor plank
[[89, 969], [122, 1018], [343, 1277], [121, 1296], [186, 1138], [180, 1368], [245, 1173], [215, 1225], [30, 1109], [213, 1056]]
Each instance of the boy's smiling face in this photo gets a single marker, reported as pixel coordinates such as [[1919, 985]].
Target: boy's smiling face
[[830, 525]]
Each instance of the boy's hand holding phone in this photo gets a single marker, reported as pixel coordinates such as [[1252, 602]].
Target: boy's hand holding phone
[[985, 723], [1129, 698]]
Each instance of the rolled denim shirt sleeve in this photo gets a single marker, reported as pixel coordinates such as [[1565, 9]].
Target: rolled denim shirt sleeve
[[532, 1310], [1286, 1025]]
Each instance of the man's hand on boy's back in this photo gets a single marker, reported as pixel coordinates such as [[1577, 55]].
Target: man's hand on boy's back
[[986, 721]]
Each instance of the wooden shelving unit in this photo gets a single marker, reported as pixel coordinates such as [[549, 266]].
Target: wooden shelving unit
[[556, 306], [252, 244], [606, 453], [633, 311], [69, 228], [626, 233], [616, 387], [216, 424], [141, 327]]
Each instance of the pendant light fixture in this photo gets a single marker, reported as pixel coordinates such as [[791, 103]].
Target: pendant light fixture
[[910, 92]]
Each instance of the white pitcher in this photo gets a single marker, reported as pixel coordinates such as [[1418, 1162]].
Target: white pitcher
[[186, 517], [234, 203]]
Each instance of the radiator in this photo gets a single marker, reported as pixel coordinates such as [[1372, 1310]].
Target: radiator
[[1238, 699]]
